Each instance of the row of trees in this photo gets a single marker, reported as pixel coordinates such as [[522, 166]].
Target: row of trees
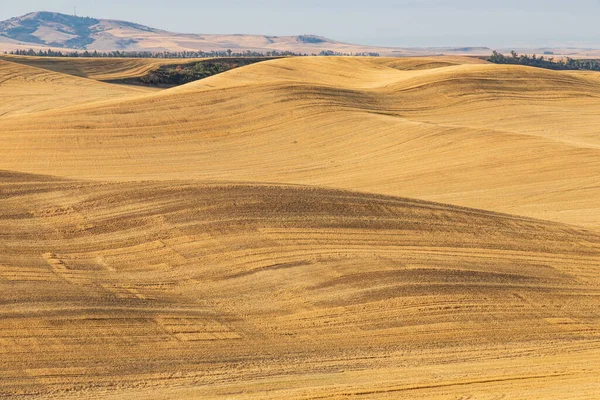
[[179, 54], [542, 62], [151, 54], [337, 53]]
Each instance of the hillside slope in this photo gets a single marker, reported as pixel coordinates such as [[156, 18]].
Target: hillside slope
[[101, 69], [25, 89], [179, 289], [505, 138]]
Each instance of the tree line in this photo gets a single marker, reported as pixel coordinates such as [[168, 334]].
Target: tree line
[[179, 74], [542, 62], [178, 54]]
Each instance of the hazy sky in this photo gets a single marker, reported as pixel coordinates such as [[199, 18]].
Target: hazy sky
[[402, 23]]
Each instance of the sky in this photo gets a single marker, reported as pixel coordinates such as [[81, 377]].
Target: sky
[[398, 23]]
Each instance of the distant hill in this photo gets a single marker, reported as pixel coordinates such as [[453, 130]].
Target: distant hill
[[60, 31], [49, 30]]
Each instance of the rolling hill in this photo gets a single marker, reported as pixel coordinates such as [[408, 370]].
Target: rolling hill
[[100, 69], [525, 143], [28, 89], [300, 228], [179, 289]]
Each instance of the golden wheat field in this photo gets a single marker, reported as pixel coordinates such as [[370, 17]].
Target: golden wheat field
[[101, 69], [301, 228]]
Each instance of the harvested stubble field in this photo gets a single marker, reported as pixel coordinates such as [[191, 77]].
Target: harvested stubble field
[[100, 69], [302, 228]]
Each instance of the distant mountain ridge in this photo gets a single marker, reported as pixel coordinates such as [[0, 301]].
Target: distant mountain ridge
[[52, 29], [60, 31]]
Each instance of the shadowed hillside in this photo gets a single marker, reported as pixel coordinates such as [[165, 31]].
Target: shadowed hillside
[[136, 71], [186, 290]]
